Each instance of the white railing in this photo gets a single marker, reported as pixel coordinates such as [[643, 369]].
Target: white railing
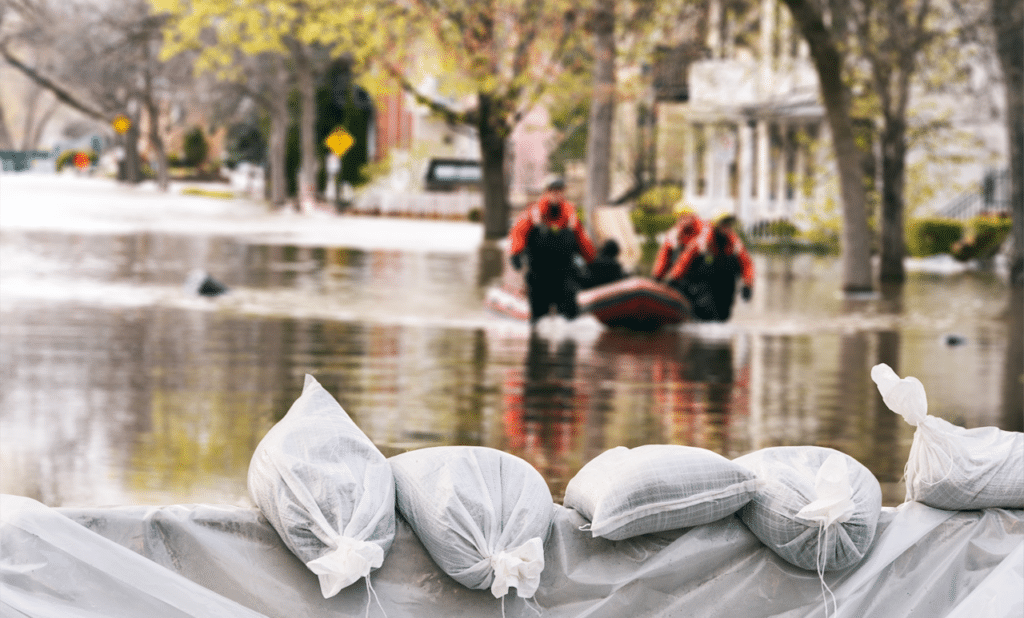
[[749, 211], [420, 204]]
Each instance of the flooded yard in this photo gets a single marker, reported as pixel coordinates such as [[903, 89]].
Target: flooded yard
[[119, 386]]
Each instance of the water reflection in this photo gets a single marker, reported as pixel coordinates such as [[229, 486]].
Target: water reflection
[[118, 388], [1013, 368], [544, 410]]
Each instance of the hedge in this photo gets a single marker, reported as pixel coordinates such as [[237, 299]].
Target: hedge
[[982, 238], [195, 148], [67, 158], [660, 199], [651, 224], [933, 235]]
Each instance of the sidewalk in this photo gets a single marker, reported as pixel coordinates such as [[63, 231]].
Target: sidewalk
[[103, 206]]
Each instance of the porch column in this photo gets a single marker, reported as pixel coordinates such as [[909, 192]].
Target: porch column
[[762, 168], [711, 166], [745, 169], [781, 163], [800, 174]]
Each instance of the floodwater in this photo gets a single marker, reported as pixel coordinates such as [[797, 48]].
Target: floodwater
[[121, 387]]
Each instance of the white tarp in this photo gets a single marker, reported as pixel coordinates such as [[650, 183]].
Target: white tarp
[[205, 560]]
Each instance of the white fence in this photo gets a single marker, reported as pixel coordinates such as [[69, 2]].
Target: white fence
[[455, 205]]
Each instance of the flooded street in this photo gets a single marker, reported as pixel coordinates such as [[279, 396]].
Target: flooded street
[[119, 386]]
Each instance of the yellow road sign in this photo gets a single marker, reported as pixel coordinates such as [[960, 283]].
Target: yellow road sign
[[339, 141], [121, 124]]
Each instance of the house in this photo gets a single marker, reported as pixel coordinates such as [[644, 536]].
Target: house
[[740, 127]]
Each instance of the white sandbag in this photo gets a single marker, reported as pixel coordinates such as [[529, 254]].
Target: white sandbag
[[951, 467], [625, 492], [326, 489], [483, 515], [816, 508]]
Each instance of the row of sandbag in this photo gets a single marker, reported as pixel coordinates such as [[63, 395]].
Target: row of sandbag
[[483, 515]]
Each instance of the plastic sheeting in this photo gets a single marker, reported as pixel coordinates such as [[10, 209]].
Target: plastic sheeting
[[205, 560]]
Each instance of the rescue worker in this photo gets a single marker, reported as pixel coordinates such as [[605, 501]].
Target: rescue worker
[[549, 236], [707, 269], [606, 267], [686, 228]]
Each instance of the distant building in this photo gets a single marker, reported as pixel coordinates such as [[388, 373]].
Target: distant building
[[736, 120]]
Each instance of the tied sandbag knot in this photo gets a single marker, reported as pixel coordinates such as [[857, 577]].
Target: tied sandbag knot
[[347, 562], [905, 396], [520, 567], [834, 494], [834, 504]]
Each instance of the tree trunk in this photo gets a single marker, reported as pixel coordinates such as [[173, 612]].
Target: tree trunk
[[307, 128], [5, 134], [31, 105], [835, 94], [492, 156], [1008, 20], [162, 178], [277, 183], [602, 110], [275, 186], [132, 163], [153, 113], [893, 245]]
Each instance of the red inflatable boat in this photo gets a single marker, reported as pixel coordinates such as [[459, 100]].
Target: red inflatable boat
[[508, 301], [637, 303]]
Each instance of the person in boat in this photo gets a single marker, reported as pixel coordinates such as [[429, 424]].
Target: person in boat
[[708, 267], [686, 228], [546, 240], [606, 267]]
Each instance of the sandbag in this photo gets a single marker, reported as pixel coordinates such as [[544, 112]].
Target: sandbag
[[326, 489], [483, 515], [951, 467], [625, 492], [817, 508]]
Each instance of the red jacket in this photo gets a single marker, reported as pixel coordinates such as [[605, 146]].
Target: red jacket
[[703, 245], [537, 214], [675, 242]]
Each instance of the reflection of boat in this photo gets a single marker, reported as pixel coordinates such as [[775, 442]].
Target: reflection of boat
[[637, 303]]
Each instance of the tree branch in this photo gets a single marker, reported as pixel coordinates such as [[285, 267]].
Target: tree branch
[[557, 57], [451, 116], [63, 95]]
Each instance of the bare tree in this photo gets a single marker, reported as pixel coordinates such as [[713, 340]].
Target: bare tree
[[108, 65]]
